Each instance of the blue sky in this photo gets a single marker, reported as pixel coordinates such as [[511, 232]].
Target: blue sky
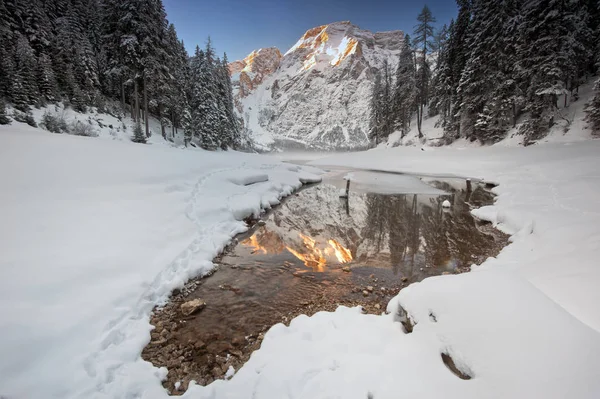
[[238, 26]]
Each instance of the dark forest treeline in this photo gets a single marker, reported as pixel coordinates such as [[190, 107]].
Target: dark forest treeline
[[500, 62], [85, 51]]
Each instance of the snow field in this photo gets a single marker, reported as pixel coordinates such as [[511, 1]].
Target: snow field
[[95, 233], [522, 325]]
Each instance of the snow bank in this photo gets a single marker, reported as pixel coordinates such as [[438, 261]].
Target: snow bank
[[246, 178], [94, 234], [506, 334], [510, 350]]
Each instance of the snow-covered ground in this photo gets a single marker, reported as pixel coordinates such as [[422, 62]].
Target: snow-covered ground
[[570, 126], [105, 125], [523, 325], [547, 197], [93, 234], [96, 232]]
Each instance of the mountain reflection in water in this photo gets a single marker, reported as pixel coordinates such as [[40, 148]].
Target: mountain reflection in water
[[411, 235], [313, 253]]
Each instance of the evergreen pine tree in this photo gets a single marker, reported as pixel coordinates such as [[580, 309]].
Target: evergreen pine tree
[[113, 30], [154, 55], [593, 109], [25, 70], [138, 134], [232, 123], [206, 98], [457, 56], [375, 111], [46, 80], [176, 96], [36, 26], [7, 71], [193, 113], [423, 40], [79, 50], [224, 135], [405, 90], [4, 120], [386, 103], [547, 57], [487, 84], [7, 25], [441, 85]]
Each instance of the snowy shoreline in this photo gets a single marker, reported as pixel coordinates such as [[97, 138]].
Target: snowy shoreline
[[108, 221], [116, 227]]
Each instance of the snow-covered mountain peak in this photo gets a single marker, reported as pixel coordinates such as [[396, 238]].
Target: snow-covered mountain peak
[[316, 94], [327, 44], [333, 43]]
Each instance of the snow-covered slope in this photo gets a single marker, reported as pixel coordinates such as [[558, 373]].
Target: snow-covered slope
[[108, 123], [570, 125], [318, 97]]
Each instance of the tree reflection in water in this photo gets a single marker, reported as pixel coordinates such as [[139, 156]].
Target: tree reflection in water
[[415, 236]]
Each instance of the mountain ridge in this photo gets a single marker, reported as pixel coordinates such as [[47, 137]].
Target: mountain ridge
[[316, 94]]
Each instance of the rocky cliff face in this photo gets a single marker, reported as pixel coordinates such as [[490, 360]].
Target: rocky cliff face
[[252, 70], [317, 94]]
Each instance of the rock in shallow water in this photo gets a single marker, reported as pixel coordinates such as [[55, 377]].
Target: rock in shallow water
[[194, 306]]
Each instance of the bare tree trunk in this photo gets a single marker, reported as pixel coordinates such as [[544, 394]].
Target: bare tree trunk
[[420, 119], [160, 118], [146, 107], [172, 124], [137, 101], [123, 97], [132, 105]]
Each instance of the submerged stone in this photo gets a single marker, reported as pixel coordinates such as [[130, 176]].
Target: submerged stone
[[193, 306]]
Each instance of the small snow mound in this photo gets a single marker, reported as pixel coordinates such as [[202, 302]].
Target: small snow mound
[[307, 177], [246, 179], [446, 204]]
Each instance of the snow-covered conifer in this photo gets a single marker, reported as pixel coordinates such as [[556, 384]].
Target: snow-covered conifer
[[423, 41], [405, 89]]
